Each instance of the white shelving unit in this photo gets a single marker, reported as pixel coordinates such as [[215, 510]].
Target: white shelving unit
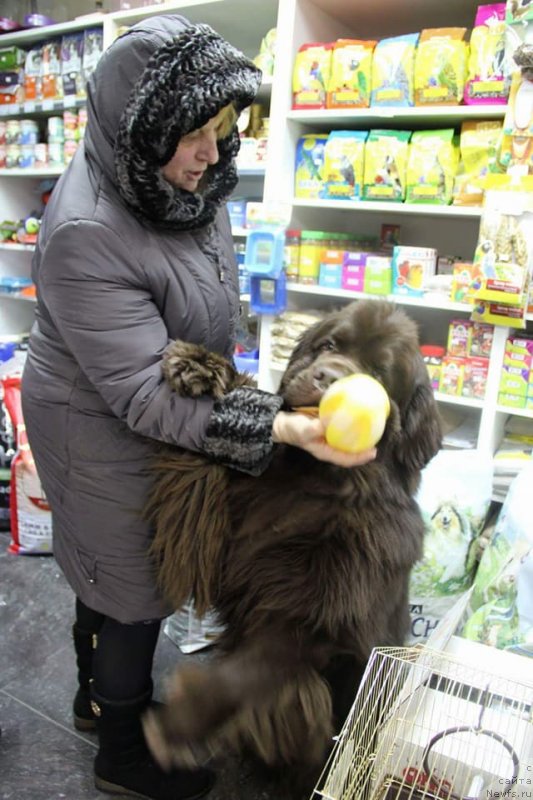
[[452, 230], [19, 188]]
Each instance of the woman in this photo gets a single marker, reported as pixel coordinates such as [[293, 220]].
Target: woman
[[135, 250]]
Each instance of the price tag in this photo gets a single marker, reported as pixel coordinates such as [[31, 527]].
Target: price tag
[[29, 106], [48, 105], [69, 100]]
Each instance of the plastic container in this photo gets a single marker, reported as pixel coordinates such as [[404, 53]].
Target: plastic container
[[291, 254], [311, 247]]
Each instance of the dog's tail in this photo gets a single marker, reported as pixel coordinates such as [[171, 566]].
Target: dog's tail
[[188, 509]]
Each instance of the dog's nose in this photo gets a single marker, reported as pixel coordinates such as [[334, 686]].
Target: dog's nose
[[325, 375]]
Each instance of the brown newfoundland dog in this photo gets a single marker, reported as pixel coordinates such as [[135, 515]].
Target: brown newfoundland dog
[[307, 566]]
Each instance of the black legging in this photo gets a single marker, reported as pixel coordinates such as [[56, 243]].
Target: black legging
[[122, 661]]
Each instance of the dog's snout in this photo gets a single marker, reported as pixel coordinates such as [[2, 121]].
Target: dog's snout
[[326, 374]]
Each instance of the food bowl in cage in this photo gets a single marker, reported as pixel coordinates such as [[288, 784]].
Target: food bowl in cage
[[430, 724]]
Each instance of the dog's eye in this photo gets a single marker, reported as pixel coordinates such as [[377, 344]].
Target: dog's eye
[[329, 344]]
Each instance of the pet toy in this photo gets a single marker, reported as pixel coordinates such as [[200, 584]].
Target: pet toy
[[354, 411]]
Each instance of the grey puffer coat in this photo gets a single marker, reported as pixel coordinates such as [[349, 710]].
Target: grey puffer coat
[[123, 266]]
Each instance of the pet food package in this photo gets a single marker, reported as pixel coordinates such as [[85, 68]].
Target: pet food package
[[501, 603], [71, 65], [504, 252], [342, 173], [478, 147], [50, 71], [431, 166], [518, 12], [386, 153], [393, 71], [31, 518], [93, 47], [487, 80], [351, 74], [310, 77], [454, 498], [440, 66], [412, 267], [308, 181]]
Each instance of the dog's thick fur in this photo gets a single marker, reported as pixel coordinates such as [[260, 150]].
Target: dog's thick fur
[[307, 565]]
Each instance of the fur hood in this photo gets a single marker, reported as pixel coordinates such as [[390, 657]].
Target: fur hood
[[156, 83]]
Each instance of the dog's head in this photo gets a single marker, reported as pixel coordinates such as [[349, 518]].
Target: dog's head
[[374, 337]]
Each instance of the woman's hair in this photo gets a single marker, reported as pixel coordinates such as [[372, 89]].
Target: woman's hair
[[228, 118]]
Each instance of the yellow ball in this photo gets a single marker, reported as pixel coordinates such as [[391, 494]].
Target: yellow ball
[[354, 411]]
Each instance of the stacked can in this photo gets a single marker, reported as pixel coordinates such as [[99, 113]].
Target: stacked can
[[56, 140], [72, 135], [17, 143]]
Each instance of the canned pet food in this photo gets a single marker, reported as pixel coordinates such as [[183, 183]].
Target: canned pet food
[[12, 156], [56, 132], [27, 156], [55, 154], [29, 132], [41, 155]]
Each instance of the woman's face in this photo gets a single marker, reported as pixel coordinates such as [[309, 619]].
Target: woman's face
[[196, 151]]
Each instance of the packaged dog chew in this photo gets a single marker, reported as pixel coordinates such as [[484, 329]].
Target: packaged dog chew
[[440, 66], [431, 166], [351, 74], [478, 146], [385, 165], [342, 173], [393, 71], [310, 75], [487, 81]]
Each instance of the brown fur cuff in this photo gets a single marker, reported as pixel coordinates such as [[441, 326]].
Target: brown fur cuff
[[239, 433]]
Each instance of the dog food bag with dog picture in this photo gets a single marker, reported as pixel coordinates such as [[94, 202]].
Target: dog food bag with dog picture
[[454, 498], [501, 604]]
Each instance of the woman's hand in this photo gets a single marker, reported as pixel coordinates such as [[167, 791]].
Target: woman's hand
[[301, 430]]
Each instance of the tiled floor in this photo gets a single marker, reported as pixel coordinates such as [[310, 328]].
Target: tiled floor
[[42, 757]]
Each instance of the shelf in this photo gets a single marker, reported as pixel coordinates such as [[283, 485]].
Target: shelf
[[515, 412], [38, 107], [29, 35], [383, 207], [436, 116], [345, 294], [251, 172], [235, 20], [457, 400], [17, 247], [45, 172], [17, 296]]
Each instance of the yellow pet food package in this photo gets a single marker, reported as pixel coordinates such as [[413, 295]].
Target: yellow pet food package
[[385, 165], [393, 71], [487, 81], [309, 165], [342, 174], [351, 74], [440, 66], [504, 252], [310, 75], [431, 166], [478, 146]]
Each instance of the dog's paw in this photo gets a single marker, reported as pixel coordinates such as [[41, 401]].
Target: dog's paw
[[192, 371], [183, 731]]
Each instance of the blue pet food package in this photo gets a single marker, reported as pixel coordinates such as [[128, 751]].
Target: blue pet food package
[[454, 498], [501, 603], [342, 172], [393, 66], [308, 172]]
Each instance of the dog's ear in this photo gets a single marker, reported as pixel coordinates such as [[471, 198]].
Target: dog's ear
[[419, 436]]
